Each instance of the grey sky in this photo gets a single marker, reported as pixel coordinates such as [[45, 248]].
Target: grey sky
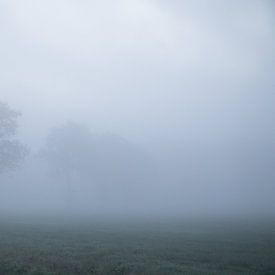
[[141, 68]]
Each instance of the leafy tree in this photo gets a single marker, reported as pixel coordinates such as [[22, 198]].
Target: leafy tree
[[67, 149], [108, 162], [66, 153], [11, 150]]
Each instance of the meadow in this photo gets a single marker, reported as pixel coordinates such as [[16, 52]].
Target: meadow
[[172, 246]]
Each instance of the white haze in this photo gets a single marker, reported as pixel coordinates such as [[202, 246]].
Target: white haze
[[189, 84]]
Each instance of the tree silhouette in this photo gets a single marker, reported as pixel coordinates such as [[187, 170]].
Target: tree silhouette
[[11, 150]]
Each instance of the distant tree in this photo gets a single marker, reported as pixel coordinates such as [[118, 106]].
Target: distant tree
[[67, 154], [66, 150], [11, 150], [75, 155]]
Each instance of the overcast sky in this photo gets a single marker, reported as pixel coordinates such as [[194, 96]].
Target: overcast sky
[[148, 70]]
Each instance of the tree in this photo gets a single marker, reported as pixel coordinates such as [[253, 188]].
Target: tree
[[67, 150], [106, 162], [12, 152], [67, 153]]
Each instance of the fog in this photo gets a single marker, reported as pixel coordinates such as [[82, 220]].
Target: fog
[[140, 107]]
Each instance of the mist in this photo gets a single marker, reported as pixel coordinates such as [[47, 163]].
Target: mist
[[140, 108]]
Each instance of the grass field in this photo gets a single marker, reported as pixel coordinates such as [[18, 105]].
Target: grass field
[[144, 247]]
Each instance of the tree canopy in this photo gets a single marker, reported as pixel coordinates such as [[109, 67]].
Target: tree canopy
[[11, 150], [74, 152]]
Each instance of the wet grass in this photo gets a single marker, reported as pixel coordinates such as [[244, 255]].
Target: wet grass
[[120, 247]]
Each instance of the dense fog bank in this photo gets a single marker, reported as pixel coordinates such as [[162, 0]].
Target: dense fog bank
[[137, 107], [109, 175]]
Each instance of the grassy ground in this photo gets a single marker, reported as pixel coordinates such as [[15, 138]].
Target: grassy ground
[[60, 247]]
